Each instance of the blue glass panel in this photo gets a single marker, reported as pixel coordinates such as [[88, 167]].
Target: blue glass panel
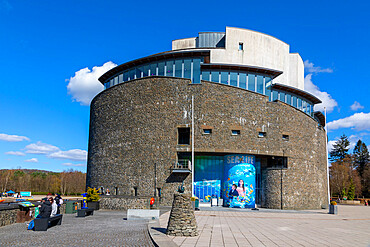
[[225, 77], [233, 79], [282, 97], [120, 78], [146, 70], [153, 69], [294, 101], [169, 69], [131, 74], [304, 106], [268, 83], [116, 80], [161, 68], [125, 76], [196, 70], [288, 99], [243, 80], [187, 68], [178, 68], [299, 104], [138, 71], [205, 75], [260, 84], [251, 82], [215, 76], [274, 95]]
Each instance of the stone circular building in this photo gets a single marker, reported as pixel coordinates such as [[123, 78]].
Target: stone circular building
[[218, 109]]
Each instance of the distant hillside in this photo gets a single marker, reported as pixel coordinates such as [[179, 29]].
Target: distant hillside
[[31, 170]]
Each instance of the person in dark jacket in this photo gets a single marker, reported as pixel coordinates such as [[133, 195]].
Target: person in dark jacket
[[45, 209], [58, 199]]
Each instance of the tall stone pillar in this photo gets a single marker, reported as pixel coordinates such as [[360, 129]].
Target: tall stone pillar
[[182, 219]]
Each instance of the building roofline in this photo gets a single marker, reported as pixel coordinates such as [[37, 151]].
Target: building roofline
[[259, 33], [298, 92], [239, 67], [155, 57]]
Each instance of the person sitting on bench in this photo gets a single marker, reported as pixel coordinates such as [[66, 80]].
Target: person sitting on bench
[[54, 207], [45, 209]]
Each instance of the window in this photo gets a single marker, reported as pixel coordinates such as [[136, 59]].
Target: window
[[207, 131], [251, 82], [224, 77], [205, 75], [116, 191], [215, 76], [241, 46], [233, 79], [135, 191], [235, 132], [260, 84], [184, 136], [243, 80], [286, 137], [261, 134], [159, 192], [277, 162]]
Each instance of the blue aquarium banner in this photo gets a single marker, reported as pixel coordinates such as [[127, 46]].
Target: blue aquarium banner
[[239, 181], [207, 189]]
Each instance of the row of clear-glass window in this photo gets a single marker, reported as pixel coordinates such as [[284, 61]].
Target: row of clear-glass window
[[249, 81], [293, 100], [257, 83], [183, 68], [190, 68]]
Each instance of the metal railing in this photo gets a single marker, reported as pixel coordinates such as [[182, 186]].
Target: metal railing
[[182, 164]]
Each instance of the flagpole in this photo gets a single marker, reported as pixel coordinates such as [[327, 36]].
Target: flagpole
[[192, 145], [327, 158]]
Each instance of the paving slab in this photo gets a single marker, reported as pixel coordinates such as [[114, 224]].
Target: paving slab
[[243, 227], [104, 228]]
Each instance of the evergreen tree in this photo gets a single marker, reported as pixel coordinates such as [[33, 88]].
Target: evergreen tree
[[351, 190], [362, 157], [344, 193], [340, 149]]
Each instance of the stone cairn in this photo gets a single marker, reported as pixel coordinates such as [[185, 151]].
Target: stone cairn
[[182, 219]]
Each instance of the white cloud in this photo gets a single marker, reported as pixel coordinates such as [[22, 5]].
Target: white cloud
[[13, 138], [56, 153], [73, 154], [355, 106], [71, 164], [33, 160], [17, 153], [84, 85], [41, 148], [327, 100], [330, 145], [311, 68], [358, 121]]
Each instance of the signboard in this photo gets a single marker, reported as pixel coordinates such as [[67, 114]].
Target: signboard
[[25, 193], [239, 181]]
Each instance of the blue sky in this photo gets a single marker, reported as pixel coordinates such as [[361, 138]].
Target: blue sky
[[46, 45]]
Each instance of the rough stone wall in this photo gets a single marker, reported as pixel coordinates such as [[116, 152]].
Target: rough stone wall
[[134, 125], [8, 217], [182, 220], [124, 203]]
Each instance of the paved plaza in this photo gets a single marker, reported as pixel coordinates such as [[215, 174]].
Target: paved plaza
[[244, 227], [104, 228]]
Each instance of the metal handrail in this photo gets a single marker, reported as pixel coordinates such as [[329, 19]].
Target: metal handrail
[[182, 164]]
